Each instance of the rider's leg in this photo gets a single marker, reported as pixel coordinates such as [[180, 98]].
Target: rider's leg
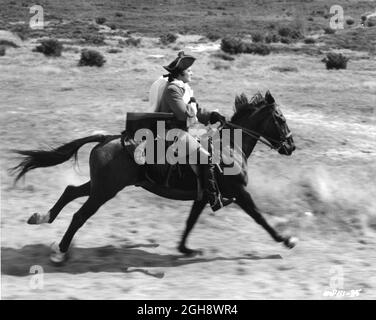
[[206, 166], [207, 169]]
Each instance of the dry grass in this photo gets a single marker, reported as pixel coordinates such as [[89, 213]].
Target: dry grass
[[250, 16], [284, 69]]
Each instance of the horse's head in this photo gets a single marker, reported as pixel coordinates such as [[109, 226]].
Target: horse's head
[[263, 117]]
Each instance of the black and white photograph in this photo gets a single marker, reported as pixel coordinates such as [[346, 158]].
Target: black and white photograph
[[207, 150]]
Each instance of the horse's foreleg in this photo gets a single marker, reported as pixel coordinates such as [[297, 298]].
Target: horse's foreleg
[[70, 193], [197, 208], [245, 201]]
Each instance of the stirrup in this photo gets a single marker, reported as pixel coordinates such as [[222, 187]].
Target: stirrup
[[217, 205], [215, 201], [220, 202]]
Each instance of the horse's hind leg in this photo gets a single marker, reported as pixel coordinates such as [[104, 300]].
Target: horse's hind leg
[[79, 218], [70, 193]]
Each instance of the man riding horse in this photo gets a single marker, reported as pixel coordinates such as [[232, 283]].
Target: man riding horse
[[176, 96], [114, 167]]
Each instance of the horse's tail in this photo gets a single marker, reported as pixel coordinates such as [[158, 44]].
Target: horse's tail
[[46, 158]]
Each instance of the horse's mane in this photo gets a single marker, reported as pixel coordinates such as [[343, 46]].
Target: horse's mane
[[242, 104]]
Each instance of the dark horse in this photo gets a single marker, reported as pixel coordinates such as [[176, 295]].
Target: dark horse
[[112, 167]]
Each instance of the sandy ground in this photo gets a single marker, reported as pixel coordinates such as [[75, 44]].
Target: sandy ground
[[324, 193]]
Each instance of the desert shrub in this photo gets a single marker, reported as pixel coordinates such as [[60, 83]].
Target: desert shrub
[[2, 51], [329, 30], [275, 38], [310, 19], [284, 31], [100, 20], [223, 56], [167, 38], [133, 42], [292, 33], [350, 21], [113, 50], [231, 45], [91, 58], [8, 43], [335, 61], [268, 38], [286, 40], [118, 14], [236, 45], [212, 36], [211, 13], [50, 47], [272, 38], [257, 37], [371, 22], [112, 26], [318, 12], [94, 38], [260, 49], [309, 40], [284, 69]]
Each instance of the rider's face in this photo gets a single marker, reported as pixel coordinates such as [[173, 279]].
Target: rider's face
[[186, 75]]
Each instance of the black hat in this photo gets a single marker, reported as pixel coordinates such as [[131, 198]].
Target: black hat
[[181, 63]]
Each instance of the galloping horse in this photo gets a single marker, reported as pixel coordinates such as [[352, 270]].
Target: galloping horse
[[112, 167]]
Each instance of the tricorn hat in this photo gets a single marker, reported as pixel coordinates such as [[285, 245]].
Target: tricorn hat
[[181, 63]]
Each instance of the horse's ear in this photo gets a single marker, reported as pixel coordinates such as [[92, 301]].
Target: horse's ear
[[240, 100], [268, 97]]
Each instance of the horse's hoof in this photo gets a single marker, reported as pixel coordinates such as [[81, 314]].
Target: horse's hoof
[[37, 218], [189, 252], [34, 219], [291, 242], [56, 256]]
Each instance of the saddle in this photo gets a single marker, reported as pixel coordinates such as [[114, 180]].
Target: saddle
[[149, 120], [182, 178]]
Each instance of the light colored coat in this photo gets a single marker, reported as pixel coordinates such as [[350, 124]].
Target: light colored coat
[[175, 99]]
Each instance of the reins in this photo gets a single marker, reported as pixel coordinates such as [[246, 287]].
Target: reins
[[258, 136], [252, 134]]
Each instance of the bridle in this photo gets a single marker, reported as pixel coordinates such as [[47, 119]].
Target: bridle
[[276, 144]]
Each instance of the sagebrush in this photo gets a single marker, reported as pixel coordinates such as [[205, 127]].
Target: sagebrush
[[91, 58]]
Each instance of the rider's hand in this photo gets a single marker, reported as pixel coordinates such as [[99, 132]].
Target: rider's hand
[[193, 99], [217, 117]]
